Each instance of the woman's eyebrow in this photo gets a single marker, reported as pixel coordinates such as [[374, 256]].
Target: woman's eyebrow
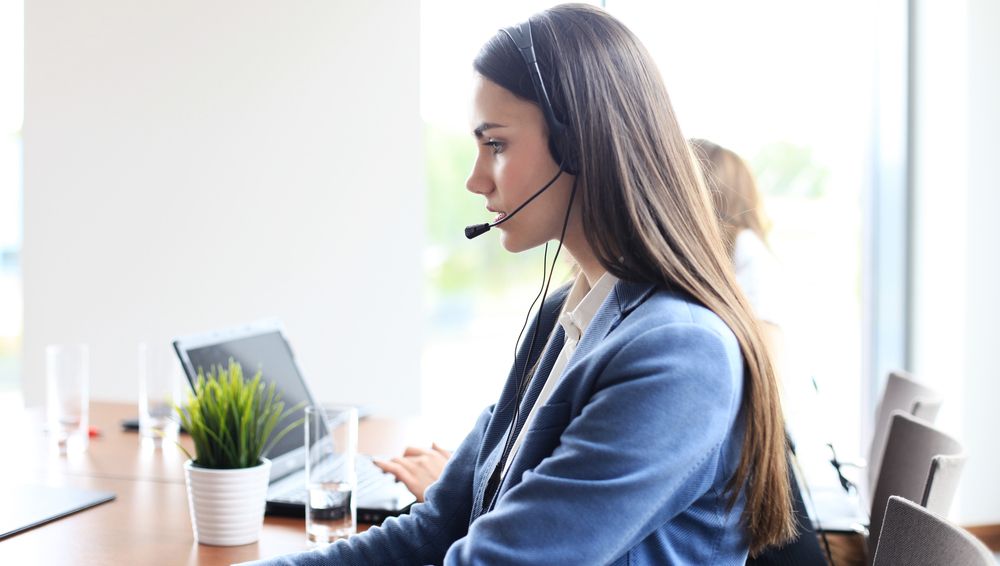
[[478, 131]]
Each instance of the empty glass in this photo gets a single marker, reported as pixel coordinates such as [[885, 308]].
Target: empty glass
[[160, 386], [331, 448], [67, 377]]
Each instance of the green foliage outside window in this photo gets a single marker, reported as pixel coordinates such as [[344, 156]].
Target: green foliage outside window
[[786, 169]]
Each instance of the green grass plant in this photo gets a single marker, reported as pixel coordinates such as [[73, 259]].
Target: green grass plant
[[232, 420]]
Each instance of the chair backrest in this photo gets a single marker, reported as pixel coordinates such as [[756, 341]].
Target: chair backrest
[[901, 393], [913, 536], [920, 463], [942, 482]]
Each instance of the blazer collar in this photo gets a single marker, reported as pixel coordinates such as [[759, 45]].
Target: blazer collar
[[631, 294], [623, 299]]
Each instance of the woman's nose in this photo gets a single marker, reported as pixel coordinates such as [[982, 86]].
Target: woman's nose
[[478, 182]]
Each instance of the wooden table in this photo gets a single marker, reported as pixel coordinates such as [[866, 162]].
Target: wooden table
[[148, 522]]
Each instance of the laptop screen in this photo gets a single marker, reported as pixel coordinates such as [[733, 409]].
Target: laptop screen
[[268, 352]]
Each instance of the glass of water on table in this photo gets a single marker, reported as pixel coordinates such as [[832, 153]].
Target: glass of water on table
[[331, 451], [160, 390], [67, 377]]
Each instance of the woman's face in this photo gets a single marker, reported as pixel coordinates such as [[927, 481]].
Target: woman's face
[[512, 163]]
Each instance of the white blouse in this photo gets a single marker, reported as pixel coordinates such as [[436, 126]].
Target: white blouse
[[759, 275]]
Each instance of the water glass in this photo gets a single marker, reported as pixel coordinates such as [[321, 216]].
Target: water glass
[[331, 450], [160, 387], [67, 377]]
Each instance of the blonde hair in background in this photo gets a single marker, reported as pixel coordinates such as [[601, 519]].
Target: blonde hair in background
[[734, 191]]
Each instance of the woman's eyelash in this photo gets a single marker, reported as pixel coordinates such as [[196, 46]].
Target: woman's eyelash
[[495, 145]]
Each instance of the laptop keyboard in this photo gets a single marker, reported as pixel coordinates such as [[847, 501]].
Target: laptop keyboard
[[292, 488]]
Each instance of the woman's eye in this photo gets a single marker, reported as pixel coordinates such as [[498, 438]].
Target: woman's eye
[[494, 145]]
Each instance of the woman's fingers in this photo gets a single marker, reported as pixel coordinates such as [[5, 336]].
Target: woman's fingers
[[414, 451], [441, 451], [417, 468], [394, 468]]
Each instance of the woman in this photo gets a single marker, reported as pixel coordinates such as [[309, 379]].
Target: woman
[[644, 427], [744, 227]]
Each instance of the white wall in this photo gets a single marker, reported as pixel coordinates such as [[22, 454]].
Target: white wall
[[191, 165], [957, 236]]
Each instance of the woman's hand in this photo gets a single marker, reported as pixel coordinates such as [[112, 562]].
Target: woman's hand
[[418, 468]]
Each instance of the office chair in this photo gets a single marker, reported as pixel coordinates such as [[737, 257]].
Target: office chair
[[920, 463], [901, 393], [914, 536]]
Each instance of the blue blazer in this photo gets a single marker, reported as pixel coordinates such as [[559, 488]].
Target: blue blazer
[[626, 463]]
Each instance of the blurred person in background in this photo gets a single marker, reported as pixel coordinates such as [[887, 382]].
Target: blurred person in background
[[745, 226]]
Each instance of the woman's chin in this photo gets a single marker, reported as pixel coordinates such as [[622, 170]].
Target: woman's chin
[[510, 244], [516, 245]]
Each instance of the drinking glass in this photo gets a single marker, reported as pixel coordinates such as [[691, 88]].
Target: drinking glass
[[160, 388], [67, 376], [331, 448]]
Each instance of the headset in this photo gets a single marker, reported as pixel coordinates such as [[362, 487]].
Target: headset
[[561, 151]]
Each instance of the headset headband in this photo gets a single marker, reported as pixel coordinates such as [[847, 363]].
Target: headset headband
[[520, 34]]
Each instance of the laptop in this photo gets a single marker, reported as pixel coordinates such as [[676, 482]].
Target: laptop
[[263, 345]]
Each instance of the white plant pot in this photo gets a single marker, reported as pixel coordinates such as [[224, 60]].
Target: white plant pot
[[227, 506]]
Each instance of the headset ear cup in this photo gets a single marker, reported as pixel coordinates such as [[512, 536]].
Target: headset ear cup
[[562, 152]]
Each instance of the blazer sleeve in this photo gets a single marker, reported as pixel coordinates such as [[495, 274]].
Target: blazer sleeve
[[641, 451], [421, 536]]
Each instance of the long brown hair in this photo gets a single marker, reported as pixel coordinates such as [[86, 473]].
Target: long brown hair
[[733, 190], [647, 215]]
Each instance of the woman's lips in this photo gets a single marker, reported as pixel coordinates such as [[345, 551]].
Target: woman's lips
[[500, 215]]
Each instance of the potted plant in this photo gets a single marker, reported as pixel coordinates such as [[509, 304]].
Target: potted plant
[[232, 422]]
